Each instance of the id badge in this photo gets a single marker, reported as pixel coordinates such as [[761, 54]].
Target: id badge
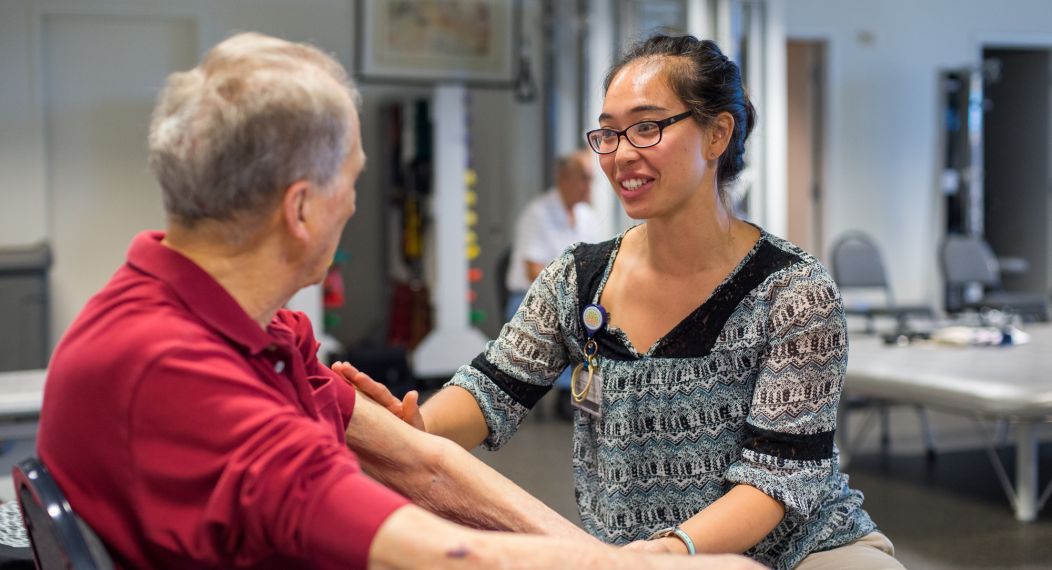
[[586, 382], [591, 402]]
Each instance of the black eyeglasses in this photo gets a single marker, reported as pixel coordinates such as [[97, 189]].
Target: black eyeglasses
[[640, 135]]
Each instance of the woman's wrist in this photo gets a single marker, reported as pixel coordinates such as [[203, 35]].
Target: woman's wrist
[[675, 539]]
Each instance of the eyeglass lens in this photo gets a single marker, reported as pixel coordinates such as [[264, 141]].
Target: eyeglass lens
[[640, 135]]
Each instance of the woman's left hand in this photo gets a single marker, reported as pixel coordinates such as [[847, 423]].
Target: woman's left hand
[[408, 408]]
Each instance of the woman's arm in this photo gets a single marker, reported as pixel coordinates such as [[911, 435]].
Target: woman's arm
[[454, 414], [733, 524], [486, 400], [736, 522]]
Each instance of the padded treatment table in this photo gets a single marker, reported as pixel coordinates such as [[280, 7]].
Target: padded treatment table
[[21, 394], [1012, 383]]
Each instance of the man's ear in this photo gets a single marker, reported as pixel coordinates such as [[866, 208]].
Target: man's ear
[[720, 134], [294, 209]]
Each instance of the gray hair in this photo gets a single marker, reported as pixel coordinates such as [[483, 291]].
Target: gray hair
[[256, 115]]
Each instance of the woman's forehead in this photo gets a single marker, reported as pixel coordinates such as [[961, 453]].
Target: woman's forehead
[[639, 86]]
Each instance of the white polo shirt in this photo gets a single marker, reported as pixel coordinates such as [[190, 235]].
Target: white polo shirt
[[543, 232]]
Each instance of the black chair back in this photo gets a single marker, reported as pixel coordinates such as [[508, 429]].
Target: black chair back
[[60, 539], [857, 263], [968, 259]]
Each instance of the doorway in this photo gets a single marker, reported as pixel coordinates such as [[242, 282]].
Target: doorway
[[1017, 163], [805, 73]]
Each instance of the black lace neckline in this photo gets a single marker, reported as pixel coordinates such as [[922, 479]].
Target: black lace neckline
[[671, 333], [695, 335]]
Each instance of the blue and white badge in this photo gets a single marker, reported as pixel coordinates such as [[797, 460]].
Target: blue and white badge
[[594, 318]]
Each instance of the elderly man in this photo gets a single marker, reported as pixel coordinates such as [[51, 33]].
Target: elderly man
[[552, 222], [186, 415]]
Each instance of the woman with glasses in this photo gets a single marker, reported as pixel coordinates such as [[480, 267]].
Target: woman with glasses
[[709, 355]]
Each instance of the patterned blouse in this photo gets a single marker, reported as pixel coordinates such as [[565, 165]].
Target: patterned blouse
[[743, 390]]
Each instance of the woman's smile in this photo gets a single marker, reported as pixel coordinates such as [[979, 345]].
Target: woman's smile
[[633, 186]]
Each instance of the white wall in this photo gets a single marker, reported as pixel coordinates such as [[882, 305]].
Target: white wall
[[883, 119], [84, 74], [21, 130], [509, 167]]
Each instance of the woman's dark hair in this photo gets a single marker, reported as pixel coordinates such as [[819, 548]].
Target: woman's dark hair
[[709, 83]]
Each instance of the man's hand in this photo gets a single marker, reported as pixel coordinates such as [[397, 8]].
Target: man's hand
[[408, 409], [667, 545]]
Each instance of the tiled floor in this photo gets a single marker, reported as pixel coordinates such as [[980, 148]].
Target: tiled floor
[[950, 514]]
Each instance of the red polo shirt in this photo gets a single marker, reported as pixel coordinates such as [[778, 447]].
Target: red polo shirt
[[187, 436]]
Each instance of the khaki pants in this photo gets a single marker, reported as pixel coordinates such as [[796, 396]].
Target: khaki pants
[[871, 552]]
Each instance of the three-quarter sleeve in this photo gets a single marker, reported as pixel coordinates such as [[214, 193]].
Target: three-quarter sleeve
[[514, 371], [788, 448]]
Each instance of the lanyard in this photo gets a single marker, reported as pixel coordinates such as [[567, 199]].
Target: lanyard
[[594, 318]]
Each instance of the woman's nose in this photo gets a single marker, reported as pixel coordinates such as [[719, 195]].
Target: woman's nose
[[625, 153]]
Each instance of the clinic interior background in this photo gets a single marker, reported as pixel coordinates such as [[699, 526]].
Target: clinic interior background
[[79, 78]]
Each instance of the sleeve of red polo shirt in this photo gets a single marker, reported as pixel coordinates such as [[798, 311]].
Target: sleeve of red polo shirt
[[229, 470], [308, 347]]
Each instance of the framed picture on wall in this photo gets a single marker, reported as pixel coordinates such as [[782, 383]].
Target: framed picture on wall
[[430, 41], [641, 19]]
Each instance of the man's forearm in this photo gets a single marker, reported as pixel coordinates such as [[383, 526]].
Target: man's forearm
[[482, 497], [411, 538], [442, 477]]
